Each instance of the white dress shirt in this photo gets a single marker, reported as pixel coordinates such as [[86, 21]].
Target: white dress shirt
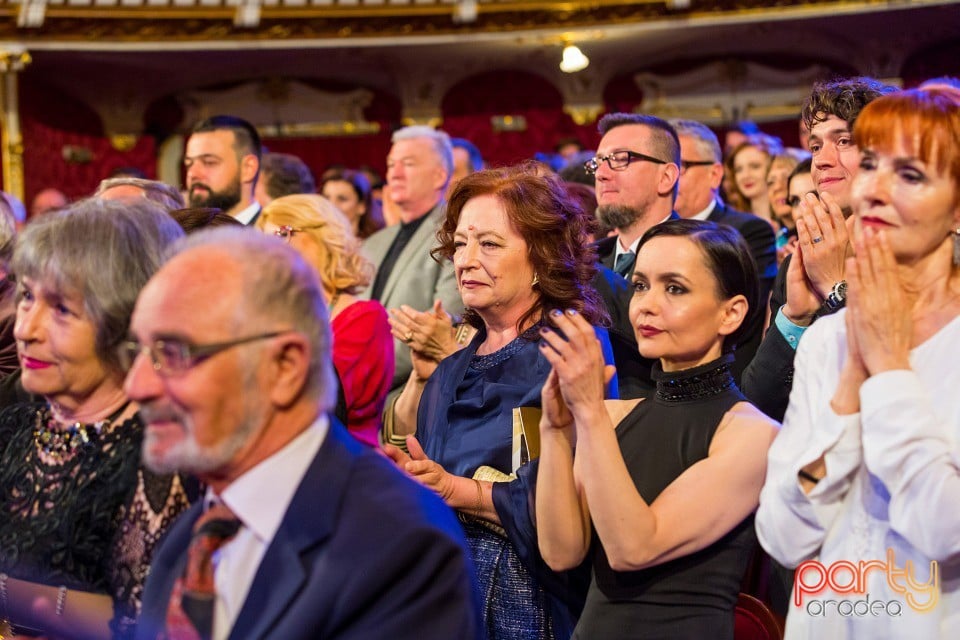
[[247, 215], [891, 485], [703, 215], [259, 498]]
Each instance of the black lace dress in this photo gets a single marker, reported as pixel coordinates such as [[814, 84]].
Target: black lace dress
[[692, 597], [87, 518]]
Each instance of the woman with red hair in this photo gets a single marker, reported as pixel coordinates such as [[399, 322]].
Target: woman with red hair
[[862, 481]]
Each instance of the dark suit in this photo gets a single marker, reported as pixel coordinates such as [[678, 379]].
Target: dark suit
[[763, 247], [362, 553], [768, 379], [607, 251]]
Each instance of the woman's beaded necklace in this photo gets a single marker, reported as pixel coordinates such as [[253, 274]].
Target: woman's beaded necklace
[[60, 443]]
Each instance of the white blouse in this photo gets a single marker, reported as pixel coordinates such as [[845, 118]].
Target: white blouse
[[887, 511]]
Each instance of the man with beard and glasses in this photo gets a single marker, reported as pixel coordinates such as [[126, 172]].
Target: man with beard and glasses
[[304, 533], [222, 162], [637, 171]]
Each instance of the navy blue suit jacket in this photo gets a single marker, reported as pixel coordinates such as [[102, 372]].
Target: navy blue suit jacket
[[363, 552]]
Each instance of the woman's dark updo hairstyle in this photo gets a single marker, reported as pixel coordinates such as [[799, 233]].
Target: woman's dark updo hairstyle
[[555, 228], [728, 258]]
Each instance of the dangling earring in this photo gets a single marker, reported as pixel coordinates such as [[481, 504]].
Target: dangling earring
[[536, 278], [956, 247]]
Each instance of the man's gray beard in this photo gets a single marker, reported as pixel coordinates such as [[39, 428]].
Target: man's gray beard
[[617, 216]]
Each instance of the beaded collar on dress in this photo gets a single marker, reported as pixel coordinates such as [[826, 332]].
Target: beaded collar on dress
[[501, 355], [701, 382]]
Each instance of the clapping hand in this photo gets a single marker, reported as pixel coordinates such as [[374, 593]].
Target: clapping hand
[[421, 468], [578, 365], [880, 320], [824, 241], [429, 334]]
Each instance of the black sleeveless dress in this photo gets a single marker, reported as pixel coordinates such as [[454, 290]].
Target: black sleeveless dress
[[689, 597]]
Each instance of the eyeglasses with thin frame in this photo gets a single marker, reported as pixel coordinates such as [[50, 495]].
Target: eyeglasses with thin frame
[[172, 357], [286, 231], [619, 160], [686, 164]]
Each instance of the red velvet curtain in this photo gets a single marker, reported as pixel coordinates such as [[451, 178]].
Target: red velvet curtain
[[52, 121], [469, 106], [44, 164], [351, 151]]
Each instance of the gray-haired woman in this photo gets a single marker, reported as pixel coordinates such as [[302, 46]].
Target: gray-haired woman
[[79, 515]]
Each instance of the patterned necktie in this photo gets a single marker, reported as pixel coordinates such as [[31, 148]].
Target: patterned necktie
[[624, 263], [190, 613]]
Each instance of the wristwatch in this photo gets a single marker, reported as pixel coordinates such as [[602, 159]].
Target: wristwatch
[[837, 296]]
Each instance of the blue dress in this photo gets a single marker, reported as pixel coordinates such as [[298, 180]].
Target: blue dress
[[465, 421]]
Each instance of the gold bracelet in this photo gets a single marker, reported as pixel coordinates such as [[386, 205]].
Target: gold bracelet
[[61, 600], [479, 507]]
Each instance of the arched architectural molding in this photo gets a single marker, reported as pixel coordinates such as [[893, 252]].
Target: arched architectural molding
[[282, 107], [722, 92]]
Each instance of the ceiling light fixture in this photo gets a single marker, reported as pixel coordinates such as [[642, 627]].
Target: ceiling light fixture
[[573, 59]]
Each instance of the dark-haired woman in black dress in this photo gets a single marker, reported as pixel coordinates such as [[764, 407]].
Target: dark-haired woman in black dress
[[661, 492]]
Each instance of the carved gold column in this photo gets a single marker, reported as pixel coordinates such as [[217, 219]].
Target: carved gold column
[[12, 63]]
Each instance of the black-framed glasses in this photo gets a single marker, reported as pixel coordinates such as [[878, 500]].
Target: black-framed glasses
[[686, 164], [619, 160], [286, 231], [172, 357]]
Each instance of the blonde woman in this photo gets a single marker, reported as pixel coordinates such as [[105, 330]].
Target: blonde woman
[[749, 163], [362, 345]]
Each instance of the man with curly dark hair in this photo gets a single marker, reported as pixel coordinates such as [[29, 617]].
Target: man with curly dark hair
[[818, 288], [811, 282]]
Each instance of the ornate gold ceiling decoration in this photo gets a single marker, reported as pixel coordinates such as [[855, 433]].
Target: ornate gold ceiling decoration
[[278, 20]]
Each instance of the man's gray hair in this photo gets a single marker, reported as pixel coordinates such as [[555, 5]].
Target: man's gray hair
[[160, 192], [280, 291], [442, 145], [102, 250], [706, 139]]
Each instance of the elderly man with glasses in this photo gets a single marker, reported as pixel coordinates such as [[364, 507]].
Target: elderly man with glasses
[[304, 533]]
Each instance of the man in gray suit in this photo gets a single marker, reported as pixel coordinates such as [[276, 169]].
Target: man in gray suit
[[419, 166]]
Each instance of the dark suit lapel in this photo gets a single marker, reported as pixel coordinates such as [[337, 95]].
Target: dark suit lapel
[[718, 212], [607, 251], [165, 568], [309, 520]]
